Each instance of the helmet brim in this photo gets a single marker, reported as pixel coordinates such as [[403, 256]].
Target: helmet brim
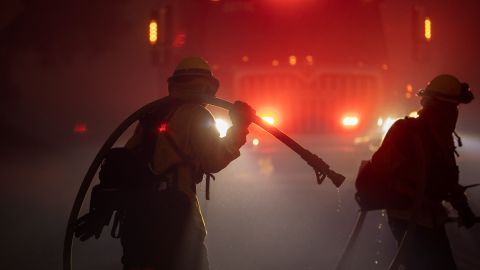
[[465, 96]]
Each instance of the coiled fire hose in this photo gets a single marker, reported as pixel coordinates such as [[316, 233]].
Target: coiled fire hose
[[321, 169]]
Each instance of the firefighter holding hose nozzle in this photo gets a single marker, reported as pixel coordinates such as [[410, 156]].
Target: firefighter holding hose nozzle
[[151, 182]]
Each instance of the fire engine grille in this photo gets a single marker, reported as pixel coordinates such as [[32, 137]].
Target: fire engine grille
[[313, 103]]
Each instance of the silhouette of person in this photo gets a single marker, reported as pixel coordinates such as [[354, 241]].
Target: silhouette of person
[[428, 247], [160, 222]]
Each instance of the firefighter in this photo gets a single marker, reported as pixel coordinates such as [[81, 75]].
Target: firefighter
[[432, 161], [163, 227]]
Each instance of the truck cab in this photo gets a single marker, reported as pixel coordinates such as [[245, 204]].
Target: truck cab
[[310, 67]]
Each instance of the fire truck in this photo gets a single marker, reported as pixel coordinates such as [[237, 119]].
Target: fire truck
[[309, 67]]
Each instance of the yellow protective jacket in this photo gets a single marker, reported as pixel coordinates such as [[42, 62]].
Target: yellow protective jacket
[[192, 128]]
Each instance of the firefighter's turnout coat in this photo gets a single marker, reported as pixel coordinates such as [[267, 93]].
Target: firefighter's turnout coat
[[192, 128], [399, 157]]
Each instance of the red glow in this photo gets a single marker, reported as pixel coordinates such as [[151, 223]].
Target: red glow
[[163, 127], [179, 40], [292, 60], [80, 128], [289, 3]]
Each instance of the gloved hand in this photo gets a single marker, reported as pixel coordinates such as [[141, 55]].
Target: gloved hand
[[237, 135], [459, 201], [466, 218], [241, 114], [91, 224]]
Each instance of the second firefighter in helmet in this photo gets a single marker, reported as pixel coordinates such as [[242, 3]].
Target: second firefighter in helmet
[[165, 229], [419, 154]]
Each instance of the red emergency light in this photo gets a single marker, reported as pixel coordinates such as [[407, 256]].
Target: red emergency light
[[179, 40], [163, 127], [290, 3], [80, 128], [269, 114], [269, 119]]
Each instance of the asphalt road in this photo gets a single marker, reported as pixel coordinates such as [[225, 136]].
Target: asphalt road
[[266, 211]]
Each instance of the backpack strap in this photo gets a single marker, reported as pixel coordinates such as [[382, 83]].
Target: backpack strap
[[189, 162], [208, 177], [186, 159]]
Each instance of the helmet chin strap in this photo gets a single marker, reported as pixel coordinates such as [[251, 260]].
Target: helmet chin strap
[[209, 90], [459, 139], [459, 142]]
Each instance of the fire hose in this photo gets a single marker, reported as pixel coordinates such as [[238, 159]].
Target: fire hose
[[352, 238], [356, 231], [322, 169]]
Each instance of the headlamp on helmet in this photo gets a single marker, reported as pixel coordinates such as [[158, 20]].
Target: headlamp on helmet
[[447, 88]]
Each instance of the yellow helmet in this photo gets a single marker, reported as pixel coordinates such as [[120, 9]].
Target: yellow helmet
[[194, 67], [193, 63], [447, 88]]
